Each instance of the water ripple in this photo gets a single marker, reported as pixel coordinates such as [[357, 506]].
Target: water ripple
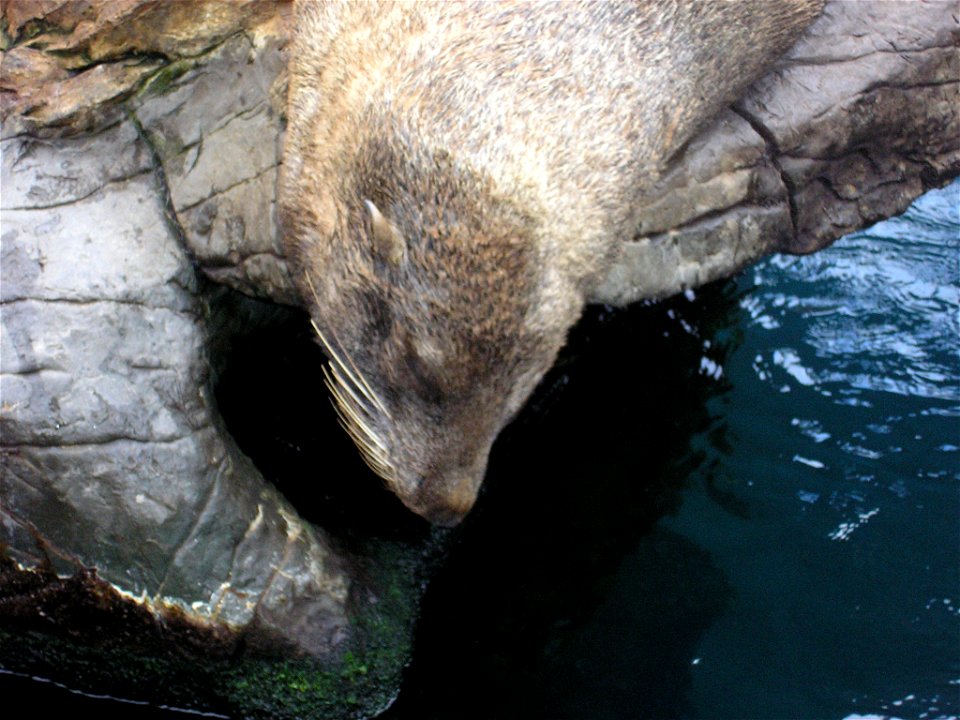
[[908, 268]]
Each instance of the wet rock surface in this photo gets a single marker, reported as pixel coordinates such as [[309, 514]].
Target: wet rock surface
[[117, 471], [853, 124], [140, 147]]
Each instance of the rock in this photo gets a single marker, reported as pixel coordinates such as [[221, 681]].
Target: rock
[[112, 421], [140, 147], [222, 172], [116, 469], [858, 120]]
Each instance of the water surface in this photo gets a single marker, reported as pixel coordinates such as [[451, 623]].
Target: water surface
[[784, 536], [843, 426]]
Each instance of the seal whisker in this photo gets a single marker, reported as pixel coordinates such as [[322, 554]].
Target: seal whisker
[[335, 382], [373, 452], [350, 411], [367, 449], [364, 386], [351, 414], [373, 460], [335, 357], [366, 431], [355, 376]]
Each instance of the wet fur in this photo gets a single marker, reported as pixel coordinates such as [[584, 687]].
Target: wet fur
[[507, 146]]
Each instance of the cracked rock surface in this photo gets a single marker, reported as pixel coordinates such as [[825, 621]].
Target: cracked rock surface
[[854, 123], [112, 450], [140, 147], [114, 457]]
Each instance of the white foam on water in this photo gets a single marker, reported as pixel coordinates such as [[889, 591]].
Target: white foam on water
[[808, 462]]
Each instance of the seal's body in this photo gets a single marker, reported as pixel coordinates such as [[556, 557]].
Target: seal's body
[[456, 178]]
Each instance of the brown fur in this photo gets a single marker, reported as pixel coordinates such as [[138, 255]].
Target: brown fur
[[506, 145]]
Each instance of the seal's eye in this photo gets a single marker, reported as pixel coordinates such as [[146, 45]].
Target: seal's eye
[[424, 375]]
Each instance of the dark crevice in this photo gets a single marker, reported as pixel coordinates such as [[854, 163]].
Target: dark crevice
[[228, 188], [886, 85], [828, 185], [163, 191], [133, 57], [25, 372], [112, 301], [80, 198], [827, 61], [773, 154], [60, 442], [701, 220]]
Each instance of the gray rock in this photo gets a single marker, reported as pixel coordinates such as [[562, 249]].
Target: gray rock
[[114, 453], [858, 120], [221, 152]]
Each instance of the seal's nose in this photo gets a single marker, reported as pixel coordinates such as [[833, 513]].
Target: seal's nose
[[445, 501], [444, 516]]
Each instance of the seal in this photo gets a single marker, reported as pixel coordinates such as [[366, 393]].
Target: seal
[[456, 177]]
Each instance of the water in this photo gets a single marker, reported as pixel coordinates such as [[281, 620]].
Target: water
[[742, 503], [843, 419], [805, 562]]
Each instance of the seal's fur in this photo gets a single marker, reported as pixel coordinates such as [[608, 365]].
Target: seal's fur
[[456, 177]]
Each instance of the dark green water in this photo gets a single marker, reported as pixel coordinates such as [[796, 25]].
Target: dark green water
[[844, 428], [778, 534], [742, 503]]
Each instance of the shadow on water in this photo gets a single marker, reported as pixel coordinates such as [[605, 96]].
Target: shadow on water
[[517, 620], [562, 596], [574, 488]]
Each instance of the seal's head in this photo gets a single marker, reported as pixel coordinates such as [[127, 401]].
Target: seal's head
[[428, 295], [457, 177]]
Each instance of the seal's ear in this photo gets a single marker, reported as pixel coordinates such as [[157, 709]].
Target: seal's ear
[[387, 239]]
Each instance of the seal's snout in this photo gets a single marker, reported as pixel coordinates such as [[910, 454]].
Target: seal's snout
[[444, 516], [445, 500]]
